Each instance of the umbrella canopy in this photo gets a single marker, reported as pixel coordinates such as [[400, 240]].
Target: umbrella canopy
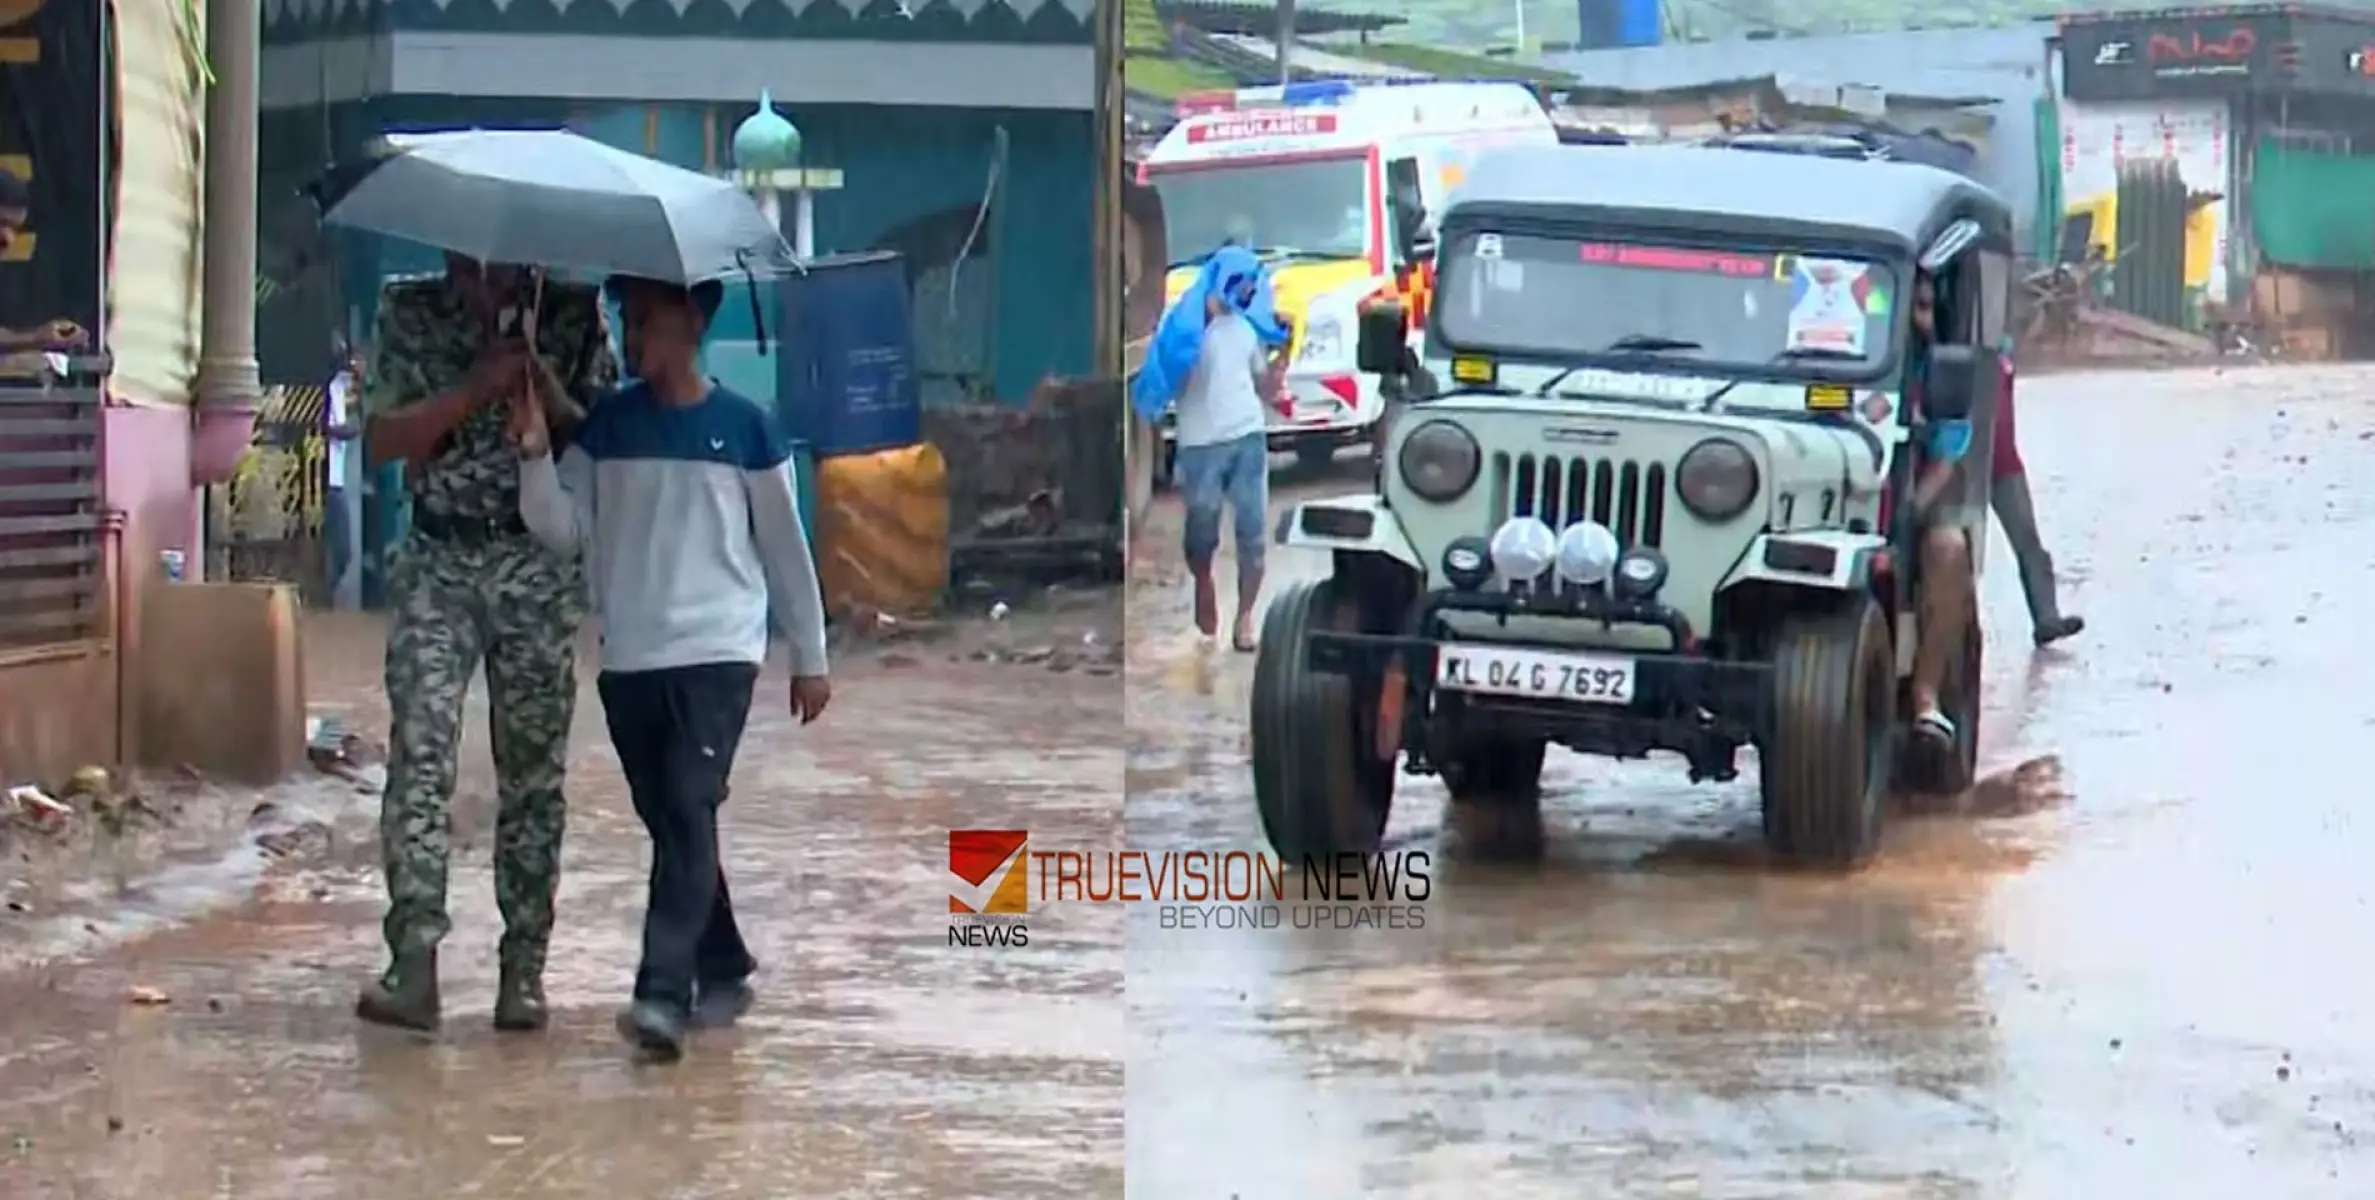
[[551, 198]]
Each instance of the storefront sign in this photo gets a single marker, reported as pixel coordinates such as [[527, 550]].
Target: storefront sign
[[53, 135], [2145, 58]]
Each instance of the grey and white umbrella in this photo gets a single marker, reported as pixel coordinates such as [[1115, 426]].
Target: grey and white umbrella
[[550, 198]]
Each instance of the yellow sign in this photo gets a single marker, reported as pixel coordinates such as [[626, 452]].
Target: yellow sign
[[1828, 397], [1465, 369]]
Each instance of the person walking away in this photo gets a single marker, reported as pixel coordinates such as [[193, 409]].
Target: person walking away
[[2016, 511], [1224, 450], [339, 431], [680, 493], [468, 586]]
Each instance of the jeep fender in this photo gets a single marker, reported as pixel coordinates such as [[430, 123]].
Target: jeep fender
[[1348, 525], [1798, 560]]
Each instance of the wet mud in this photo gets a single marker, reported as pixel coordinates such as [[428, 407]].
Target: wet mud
[[2126, 963], [207, 1049]]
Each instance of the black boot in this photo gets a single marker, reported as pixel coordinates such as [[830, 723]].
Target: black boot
[[405, 997], [519, 1001], [2049, 632]]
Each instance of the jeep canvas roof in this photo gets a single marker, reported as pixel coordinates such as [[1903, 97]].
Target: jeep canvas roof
[[1691, 188]]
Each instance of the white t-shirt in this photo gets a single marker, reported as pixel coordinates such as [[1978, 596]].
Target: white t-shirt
[[1223, 397], [339, 402]]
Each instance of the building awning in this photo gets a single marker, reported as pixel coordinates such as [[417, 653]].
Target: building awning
[[565, 66]]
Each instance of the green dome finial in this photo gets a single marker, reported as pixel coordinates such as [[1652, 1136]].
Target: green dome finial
[[765, 141]]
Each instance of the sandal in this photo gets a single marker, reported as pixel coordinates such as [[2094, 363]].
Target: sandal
[[1934, 725]]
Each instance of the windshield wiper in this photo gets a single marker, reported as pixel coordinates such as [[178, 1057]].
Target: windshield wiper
[[1269, 254], [1277, 253], [1649, 343], [1793, 354], [1641, 343]]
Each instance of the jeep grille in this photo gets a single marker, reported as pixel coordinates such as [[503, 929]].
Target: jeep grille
[[1626, 496]]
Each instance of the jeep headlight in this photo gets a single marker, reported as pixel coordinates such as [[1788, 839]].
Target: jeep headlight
[[1717, 479], [1440, 461], [1323, 341]]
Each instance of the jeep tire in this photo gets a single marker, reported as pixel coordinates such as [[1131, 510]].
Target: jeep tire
[[1825, 757], [1502, 771], [1496, 798], [1317, 781]]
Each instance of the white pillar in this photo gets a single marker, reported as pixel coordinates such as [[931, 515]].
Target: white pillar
[[804, 223], [771, 204]]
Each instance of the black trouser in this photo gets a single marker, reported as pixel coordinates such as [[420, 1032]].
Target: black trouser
[[675, 731]]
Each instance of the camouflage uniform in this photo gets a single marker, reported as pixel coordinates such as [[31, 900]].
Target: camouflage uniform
[[485, 592]]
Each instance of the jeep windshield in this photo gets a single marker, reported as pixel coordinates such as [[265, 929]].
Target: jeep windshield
[[1665, 306]]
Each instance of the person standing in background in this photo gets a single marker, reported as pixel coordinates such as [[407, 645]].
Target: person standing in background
[[1224, 446], [2016, 511], [16, 208], [339, 432]]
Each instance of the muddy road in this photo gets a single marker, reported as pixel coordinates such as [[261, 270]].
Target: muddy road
[[879, 1061], [2134, 963]]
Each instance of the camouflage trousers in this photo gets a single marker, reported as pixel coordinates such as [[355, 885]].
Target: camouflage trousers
[[514, 607]]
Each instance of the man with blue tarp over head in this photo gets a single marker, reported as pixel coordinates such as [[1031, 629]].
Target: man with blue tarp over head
[[1215, 363]]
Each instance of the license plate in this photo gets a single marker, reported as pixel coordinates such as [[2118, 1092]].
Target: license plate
[[1534, 674]]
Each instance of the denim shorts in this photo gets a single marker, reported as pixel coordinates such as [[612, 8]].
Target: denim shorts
[[1235, 474]]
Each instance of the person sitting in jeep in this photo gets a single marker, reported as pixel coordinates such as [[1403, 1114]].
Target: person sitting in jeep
[[1944, 545]]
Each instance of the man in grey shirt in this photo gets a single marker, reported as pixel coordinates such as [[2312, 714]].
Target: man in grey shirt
[[680, 494], [1224, 457]]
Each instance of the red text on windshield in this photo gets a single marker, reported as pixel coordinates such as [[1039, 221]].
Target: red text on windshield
[[1672, 258]]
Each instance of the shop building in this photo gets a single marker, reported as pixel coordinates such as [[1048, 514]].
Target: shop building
[[2224, 159]]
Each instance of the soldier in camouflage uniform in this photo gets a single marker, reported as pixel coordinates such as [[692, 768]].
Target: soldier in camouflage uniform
[[468, 586]]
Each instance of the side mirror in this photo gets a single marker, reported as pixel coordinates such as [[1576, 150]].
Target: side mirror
[[1960, 380], [1384, 338]]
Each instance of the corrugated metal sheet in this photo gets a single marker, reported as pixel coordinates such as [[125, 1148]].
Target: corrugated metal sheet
[[2007, 65], [153, 288]]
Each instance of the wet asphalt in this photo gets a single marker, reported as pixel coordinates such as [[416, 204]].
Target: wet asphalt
[[879, 1061], [2131, 962]]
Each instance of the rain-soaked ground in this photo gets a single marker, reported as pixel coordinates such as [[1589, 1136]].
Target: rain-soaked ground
[[2134, 965], [880, 1061]]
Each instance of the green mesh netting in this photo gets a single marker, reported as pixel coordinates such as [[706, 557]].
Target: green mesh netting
[[2313, 209], [2047, 235]]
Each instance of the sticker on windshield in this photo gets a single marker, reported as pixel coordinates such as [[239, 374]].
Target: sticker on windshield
[[1488, 245], [1505, 275], [1827, 305]]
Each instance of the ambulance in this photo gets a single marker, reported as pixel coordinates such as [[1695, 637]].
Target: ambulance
[[1310, 176]]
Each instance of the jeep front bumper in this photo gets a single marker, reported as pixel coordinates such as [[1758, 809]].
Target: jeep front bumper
[[1680, 700]]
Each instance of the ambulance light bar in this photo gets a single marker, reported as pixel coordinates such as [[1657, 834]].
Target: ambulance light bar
[[1317, 93]]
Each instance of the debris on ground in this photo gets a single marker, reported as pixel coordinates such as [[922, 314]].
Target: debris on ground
[[336, 750], [32, 806], [147, 997]]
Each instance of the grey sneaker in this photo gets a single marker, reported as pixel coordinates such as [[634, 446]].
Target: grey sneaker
[[719, 1005], [653, 1028]]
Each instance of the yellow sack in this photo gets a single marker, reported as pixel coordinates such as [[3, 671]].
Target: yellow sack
[[882, 531]]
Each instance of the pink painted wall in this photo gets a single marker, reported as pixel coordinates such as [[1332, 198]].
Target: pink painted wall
[[146, 476]]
